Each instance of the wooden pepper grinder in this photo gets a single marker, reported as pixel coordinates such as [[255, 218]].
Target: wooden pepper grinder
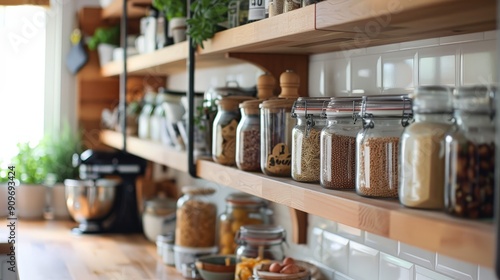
[[289, 82], [265, 86]]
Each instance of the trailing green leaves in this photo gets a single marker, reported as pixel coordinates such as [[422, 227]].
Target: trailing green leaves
[[206, 16], [171, 8]]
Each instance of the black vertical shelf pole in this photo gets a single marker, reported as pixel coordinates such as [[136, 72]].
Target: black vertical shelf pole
[[497, 158], [190, 93], [123, 76]]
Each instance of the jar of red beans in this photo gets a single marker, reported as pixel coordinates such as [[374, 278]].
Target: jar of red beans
[[338, 143], [470, 154], [377, 144], [248, 137]]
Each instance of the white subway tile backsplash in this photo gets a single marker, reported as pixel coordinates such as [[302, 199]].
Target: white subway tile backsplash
[[455, 268], [381, 243], [340, 276], [338, 77], [437, 66], [335, 252], [426, 274], [383, 49], [478, 63], [315, 242], [363, 262], [484, 273], [419, 44], [392, 268], [416, 255], [364, 71], [461, 38], [397, 70], [351, 233], [316, 78], [490, 35]]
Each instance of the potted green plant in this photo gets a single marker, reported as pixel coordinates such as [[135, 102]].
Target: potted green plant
[[207, 15], [30, 167], [105, 40], [175, 12], [59, 149]]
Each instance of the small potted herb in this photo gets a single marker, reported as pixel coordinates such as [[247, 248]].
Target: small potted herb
[[175, 13], [206, 18], [105, 40]]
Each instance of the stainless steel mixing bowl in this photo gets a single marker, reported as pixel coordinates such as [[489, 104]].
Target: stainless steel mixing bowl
[[89, 200]]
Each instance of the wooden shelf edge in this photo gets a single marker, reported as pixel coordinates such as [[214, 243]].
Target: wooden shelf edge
[[146, 149], [135, 9]]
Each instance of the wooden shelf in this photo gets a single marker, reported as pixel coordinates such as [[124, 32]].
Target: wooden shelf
[[470, 241], [135, 9], [146, 149]]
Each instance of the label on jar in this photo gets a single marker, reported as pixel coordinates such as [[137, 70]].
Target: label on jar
[[256, 10], [279, 160]]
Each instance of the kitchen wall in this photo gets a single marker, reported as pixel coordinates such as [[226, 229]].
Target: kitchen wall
[[345, 252]]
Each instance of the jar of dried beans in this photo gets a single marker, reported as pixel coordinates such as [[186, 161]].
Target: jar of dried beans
[[305, 138], [241, 209], [224, 129], [248, 137], [196, 218], [377, 144], [276, 136], [338, 143], [470, 154], [421, 173]]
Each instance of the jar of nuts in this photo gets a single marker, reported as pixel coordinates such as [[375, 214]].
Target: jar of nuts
[[224, 129], [470, 154], [377, 144], [305, 138], [241, 209], [338, 143], [196, 218], [248, 137]]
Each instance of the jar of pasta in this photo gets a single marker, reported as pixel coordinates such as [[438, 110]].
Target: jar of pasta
[[257, 244], [377, 144], [196, 218], [338, 143], [241, 209], [248, 137], [276, 136], [305, 138], [470, 154], [421, 174], [224, 129]]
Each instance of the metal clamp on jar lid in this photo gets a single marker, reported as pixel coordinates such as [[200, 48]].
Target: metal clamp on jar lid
[[260, 234], [342, 107], [386, 106], [432, 100], [475, 99]]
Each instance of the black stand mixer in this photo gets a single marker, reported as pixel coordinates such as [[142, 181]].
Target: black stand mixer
[[124, 216]]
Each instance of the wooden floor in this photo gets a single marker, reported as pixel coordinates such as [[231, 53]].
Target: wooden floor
[[48, 250]]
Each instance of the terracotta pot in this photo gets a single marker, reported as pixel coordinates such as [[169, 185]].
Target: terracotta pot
[[30, 201]]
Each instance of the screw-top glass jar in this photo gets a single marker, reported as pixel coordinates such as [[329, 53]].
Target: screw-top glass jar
[[241, 209], [421, 173], [377, 144], [470, 154], [224, 129], [276, 136], [305, 138], [248, 137], [338, 143]]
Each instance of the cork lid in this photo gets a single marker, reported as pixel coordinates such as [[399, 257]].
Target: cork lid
[[231, 103], [279, 103], [251, 106], [197, 190]]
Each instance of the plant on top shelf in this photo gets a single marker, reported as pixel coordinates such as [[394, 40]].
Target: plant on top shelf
[[104, 35], [205, 19], [171, 8]]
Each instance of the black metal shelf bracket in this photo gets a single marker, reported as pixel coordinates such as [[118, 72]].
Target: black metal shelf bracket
[[191, 109], [123, 75]]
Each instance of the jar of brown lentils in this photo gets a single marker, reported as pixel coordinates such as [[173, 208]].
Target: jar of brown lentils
[[338, 143], [305, 138], [377, 144], [248, 137]]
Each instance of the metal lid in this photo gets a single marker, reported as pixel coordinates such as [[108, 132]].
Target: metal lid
[[343, 107], [261, 234], [433, 99], [160, 206], [166, 238], [309, 106], [386, 106], [197, 190], [475, 99]]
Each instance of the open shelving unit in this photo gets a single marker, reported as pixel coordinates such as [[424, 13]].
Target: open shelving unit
[[327, 26]]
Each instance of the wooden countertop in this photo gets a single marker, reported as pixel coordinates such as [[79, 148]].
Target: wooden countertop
[[47, 250]]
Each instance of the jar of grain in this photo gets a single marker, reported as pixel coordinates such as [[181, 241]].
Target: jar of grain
[[196, 218], [470, 154], [248, 137], [241, 209], [377, 144], [338, 143], [421, 173], [276, 136], [257, 244], [305, 138], [224, 129]]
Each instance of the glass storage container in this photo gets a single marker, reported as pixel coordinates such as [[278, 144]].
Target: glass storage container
[[196, 218], [144, 123], [276, 136], [156, 122], [470, 154], [224, 129], [257, 243], [377, 145], [421, 173], [306, 138], [241, 209], [338, 143], [248, 137]]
